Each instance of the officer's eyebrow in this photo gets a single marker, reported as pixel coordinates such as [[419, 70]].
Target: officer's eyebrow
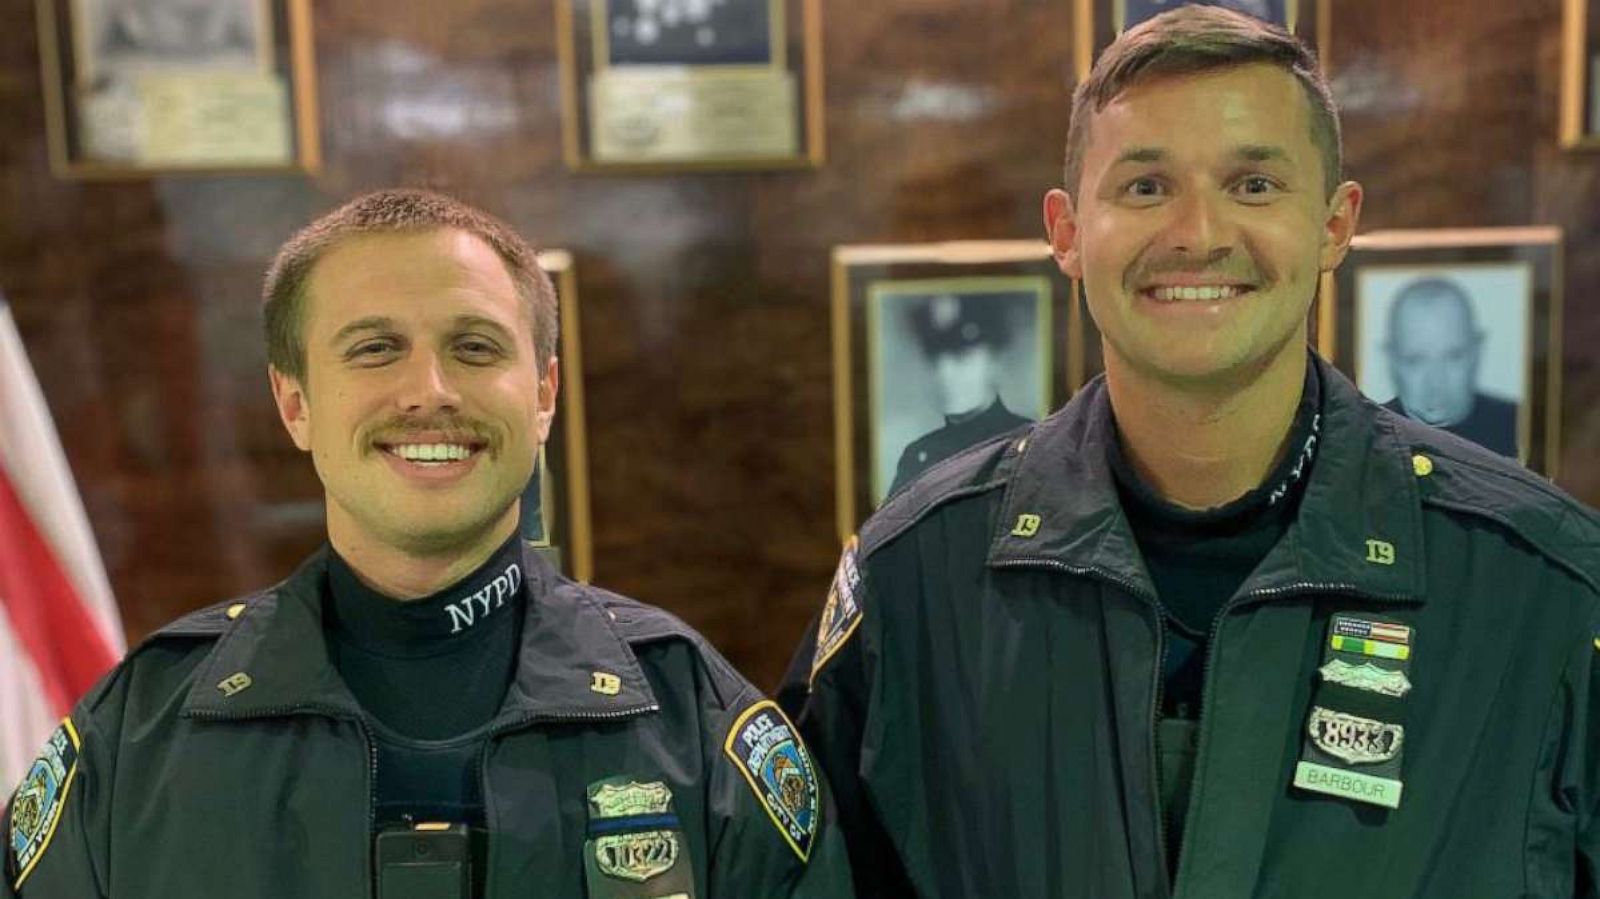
[[360, 325], [1141, 155], [467, 322], [1261, 153]]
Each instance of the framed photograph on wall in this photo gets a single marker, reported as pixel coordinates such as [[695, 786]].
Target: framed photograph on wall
[[1459, 329], [938, 347], [139, 87], [690, 84], [1100, 21], [1580, 74], [555, 504]]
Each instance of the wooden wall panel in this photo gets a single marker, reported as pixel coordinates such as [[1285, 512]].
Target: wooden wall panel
[[704, 297]]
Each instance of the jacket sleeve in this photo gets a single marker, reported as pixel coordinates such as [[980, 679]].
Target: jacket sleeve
[[779, 835], [1578, 773], [55, 822], [831, 683]]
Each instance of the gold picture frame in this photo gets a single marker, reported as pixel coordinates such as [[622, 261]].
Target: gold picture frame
[[1490, 305], [1580, 75], [133, 89], [669, 97], [919, 327], [1100, 21], [555, 511]]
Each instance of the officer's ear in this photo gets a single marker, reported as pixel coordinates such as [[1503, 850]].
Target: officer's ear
[[293, 407], [549, 383], [1061, 227]]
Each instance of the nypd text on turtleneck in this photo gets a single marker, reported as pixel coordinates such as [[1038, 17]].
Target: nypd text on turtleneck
[[490, 596]]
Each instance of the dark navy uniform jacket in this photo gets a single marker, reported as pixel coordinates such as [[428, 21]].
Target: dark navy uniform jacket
[[225, 758], [986, 675]]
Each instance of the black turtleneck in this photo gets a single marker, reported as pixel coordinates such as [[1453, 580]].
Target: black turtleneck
[[1197, 560], [430, 674]]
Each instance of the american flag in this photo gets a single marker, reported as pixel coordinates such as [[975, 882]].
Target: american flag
[[59, 628]]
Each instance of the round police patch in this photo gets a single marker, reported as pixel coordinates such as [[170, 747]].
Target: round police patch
[[768, 752], [36, 807]]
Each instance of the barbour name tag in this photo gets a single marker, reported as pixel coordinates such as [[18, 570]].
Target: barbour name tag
[[1347, 783]]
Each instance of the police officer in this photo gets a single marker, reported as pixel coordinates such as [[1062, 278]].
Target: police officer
[[1220, 627], [424, 708], [962, 337]]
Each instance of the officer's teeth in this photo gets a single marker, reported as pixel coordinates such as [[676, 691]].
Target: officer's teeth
[[1170, 294], [431, 452]]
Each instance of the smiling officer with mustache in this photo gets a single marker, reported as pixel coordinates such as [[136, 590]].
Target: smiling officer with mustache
[[1220, 627], [425, 707]]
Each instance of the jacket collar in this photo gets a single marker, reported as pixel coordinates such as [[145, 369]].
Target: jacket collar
[[1358, 529], [274, 659]]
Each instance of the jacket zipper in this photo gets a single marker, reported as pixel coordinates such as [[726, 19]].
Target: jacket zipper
[[1304, 587], [1153, 758], [518, 723]]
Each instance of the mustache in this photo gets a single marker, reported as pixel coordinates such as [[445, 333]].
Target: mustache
[[1225, 265], [397, 428]]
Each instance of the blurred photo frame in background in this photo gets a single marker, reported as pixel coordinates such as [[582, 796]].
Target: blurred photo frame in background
[[1129, 13], [139, 87], [1100, 21], [1580, 75], [555, 504], [659, 85], [938, 347], [1458, 329]]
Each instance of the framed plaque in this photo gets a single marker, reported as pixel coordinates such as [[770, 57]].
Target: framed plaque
[[938, 347], [555, 505], [1100, 21], [137, 87], [1459, 329], [1580, 74], [691, 84]]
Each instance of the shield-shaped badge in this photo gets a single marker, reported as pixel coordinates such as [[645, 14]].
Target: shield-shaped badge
[[635, 838]]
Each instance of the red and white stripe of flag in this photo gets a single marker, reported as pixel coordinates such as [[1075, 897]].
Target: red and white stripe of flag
[[59, 628], [1391, 633]]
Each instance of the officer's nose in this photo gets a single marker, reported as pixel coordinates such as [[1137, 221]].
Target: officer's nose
[[426, 386], [1199, 226]]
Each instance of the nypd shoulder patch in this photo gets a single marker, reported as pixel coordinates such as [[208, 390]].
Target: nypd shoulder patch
[[768, 752], [36, 807], [842, 613]]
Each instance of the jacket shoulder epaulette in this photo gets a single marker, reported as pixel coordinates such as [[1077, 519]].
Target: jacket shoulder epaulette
[[977, 469], [640, 624], [1471, 480], [211, 621]]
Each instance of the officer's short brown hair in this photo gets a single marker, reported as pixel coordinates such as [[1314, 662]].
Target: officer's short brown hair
[[1190, 40], [394, 212]]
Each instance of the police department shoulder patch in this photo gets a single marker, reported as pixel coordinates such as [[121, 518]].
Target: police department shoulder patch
[[842, 613], [768, 752], [36, 807]]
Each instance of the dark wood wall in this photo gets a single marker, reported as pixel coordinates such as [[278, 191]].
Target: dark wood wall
[[704, 297]]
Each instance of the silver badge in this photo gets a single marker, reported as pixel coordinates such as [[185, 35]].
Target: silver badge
[[1366, 676], [636, 856], [1359, 741]]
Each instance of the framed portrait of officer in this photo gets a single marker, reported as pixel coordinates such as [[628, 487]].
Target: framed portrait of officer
[[138, 87], [1100, 21], [1580, 74], [937, 348], [690, 84], [555, 504], [1458, 330]]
